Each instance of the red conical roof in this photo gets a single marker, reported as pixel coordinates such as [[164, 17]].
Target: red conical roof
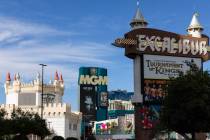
[[8, 77], [56, 76], [61, 78]]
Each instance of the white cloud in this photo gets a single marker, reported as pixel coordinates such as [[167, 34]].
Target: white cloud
[[21, 28], [13, 30], [22, 49], [5, 35]]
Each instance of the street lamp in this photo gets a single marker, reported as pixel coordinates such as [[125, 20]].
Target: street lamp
[[42, 65]]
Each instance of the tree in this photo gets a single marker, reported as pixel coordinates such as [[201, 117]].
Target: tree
[[22, 123], [186, 108], [5, 127], [25, 123]]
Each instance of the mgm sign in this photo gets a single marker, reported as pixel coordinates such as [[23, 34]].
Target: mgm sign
[[93, 80], [158, 55]]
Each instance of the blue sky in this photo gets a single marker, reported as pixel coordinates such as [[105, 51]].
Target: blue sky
[[69, 34]]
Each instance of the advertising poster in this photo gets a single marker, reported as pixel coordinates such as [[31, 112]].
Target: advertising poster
[[166, 67], [149, 116], [154, 91], [48, 98], [88, 102], [104, 99]]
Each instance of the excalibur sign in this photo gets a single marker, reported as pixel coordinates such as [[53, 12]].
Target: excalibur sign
[[157, 56], [153, 41]]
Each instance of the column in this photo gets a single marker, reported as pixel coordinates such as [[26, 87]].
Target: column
[[137, 98]]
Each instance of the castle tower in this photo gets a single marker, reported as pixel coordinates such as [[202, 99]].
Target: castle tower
[[12, 89], [61, 81], [61, 78], [8, 79], [8, 82], [56, 78], [138, 20], [16, 83], [59, 87], [195, 29]]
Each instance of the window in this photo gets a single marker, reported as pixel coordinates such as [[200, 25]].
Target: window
[[27, 99], [70, 126], [75, 127]]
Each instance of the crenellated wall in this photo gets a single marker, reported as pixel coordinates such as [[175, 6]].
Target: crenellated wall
[[49, 110], [33, 87], [20, 93], [56, 109]]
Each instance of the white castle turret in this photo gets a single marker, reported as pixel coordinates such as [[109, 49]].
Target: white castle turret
[[138, 21], [8, 79], [20, 93], [38, 78], [8, 82], [195, 29]]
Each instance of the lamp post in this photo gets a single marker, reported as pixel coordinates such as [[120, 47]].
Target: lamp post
[[42, 65]]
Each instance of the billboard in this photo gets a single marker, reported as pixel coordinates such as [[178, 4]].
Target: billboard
[[148, 115], [165, 67], [154, 91], [88, 102], [93, 93]]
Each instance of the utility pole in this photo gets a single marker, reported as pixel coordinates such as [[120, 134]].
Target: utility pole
[[42, 65]]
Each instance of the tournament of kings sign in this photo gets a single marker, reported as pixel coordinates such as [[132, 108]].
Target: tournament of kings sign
[[166, 67], [158, 70]]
